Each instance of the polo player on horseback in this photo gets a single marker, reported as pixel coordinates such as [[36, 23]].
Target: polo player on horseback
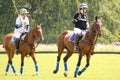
[[81, 23], [21, 26]]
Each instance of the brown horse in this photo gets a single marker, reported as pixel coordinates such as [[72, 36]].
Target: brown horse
[[86, 46], [27, 47]]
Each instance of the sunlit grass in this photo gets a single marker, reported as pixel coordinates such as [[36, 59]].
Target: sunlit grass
[[102, 67]]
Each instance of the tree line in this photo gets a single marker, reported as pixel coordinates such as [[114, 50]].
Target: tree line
[[56, 16]]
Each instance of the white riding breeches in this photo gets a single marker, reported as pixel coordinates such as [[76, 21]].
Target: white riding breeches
[[79, 31], [17, 34]]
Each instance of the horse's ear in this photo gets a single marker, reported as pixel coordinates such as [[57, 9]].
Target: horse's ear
[[96, 18], [40, 24], [35, 25], [101, 18]]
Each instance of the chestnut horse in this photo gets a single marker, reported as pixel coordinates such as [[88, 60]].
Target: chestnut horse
[[86, 47], [27, 47]]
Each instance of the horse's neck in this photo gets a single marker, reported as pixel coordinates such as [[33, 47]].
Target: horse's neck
[[30, 38], [90, 37]]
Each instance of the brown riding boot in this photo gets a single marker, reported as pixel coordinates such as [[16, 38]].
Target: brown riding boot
[[76, 42], [17, 45]]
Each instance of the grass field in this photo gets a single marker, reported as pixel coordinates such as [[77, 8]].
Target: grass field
[[102, 67]]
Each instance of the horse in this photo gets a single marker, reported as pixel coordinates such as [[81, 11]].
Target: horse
[[86, 47], [27, 47]]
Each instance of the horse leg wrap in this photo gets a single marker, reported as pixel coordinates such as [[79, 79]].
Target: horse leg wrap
[[36, 67], [65, 66], [57, 66], [7, 68], [13, 68], [83, 69], [76, 70], [21, 70]]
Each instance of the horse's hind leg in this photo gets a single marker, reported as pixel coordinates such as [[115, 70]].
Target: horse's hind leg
[[12, 66], [60, 51], [7, 68], [68, 55], [10, 57], [35, 63]]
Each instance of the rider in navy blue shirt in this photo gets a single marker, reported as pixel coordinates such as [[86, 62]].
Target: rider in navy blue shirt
[[81, 23]]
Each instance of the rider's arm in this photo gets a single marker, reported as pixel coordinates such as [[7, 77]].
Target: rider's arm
[[88, 26], [87, 23], [18, 23], [75, 18], [27, 27]]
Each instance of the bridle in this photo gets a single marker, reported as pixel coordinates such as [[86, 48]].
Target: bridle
[[37, 41], [93, 32]]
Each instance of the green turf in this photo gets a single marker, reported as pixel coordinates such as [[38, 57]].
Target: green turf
[[102, 67]]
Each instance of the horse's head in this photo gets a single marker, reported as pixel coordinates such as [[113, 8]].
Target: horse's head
[[97, 26], [38, 32]]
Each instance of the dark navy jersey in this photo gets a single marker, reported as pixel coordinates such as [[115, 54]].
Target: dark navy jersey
[[82, 20]]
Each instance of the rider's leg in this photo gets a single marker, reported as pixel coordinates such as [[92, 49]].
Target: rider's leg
[[77, 31], [17, 45], [81, 36], [76, 42]]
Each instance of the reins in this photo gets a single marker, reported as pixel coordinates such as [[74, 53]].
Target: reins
[[95, 33], [37, 43]]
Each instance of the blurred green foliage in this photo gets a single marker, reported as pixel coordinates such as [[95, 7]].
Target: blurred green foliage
[[56, 16]]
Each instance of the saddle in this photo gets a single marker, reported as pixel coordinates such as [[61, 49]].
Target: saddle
[[22, 37], [72, 37]]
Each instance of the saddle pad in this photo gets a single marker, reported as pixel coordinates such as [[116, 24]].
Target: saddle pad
[[72, 37]]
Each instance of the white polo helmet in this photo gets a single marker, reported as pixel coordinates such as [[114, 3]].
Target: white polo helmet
[[23, 10], [83, 5]]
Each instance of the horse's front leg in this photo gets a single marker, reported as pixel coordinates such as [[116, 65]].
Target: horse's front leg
[[60, 51], [22, 64], [87, 64], [78, 64], [35, 63]]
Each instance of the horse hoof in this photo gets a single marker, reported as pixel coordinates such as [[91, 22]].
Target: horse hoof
[[6, 74], [16, 74], [37, 73], [65, 74], [54, 72], [79, 73], [75, 76], [21, 74]]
